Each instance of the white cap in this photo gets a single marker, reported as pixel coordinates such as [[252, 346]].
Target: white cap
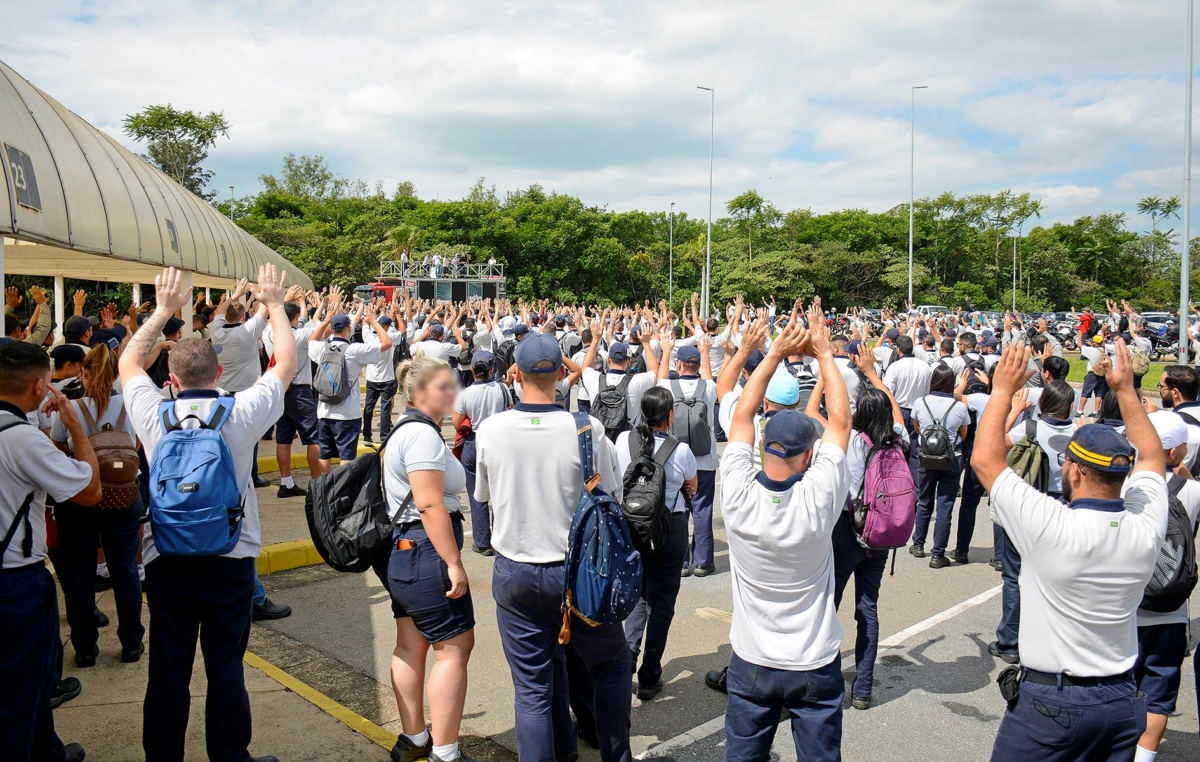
[[1170, 427]]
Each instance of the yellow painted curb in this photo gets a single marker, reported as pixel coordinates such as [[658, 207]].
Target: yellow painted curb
[[347, 717], [268, 464], [282, 556]]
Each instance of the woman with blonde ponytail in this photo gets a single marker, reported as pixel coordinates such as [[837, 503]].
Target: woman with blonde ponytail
[[81, 531], [424, 573]]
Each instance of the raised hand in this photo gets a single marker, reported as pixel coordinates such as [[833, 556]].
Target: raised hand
[[13, 298], [80, 299], [39, 296], [1120, 373], [270, 288], [169, 295], [1010, 371]]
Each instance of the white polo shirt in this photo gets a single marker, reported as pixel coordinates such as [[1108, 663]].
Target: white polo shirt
[[680, 467], [1083, 571], [706, 391], [357, 356], [908, 380], [638, 385], [383, 370], [781, 559], [301, 334], [30, 463], [534, 449], [239, 351], [254, 411], [438, 350]]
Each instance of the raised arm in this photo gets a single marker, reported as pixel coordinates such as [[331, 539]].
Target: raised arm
[[988, 456], [271, 292], [169, 297], [837, 396], [866, 363]]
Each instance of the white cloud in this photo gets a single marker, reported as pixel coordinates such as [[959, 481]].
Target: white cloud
[[1080, 99]]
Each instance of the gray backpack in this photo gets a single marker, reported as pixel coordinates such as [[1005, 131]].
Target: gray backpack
[[691, 420], [331, 380]]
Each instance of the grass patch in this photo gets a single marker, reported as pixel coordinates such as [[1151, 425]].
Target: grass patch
[[1079, 370]]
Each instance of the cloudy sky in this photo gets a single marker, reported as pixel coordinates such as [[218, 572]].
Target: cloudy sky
[[1077, 101]]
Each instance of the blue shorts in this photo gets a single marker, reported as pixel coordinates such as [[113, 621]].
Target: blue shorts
[[418, 580], [1093, 386], [339, 439], [1161, 650], [299, 417]]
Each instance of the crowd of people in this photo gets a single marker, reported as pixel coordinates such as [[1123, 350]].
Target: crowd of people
[[844, 440]]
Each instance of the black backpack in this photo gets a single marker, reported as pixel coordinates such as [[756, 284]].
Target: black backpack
[[401, 351], [645, 503], [346, 509], [935, 447], [611, 406], [973, 361], [637, 360], [570, 344], [691, 420], [504, 357], [1175, 574], [805, 378]]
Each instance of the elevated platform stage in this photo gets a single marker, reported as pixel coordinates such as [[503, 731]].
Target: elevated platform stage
[[456, 282]]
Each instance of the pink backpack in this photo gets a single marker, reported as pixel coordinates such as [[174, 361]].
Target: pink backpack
[[886, 509]]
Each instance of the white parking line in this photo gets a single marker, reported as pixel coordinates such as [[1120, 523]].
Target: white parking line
[[717, 724]]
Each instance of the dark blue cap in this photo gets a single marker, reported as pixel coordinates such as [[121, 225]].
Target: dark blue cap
[[385, 321], [482, 359], [520, 329], [1102, 448], [437, 330], [688, 356], [539, 353], [754, 360], [340, 322], [619, 351], [789, 433], [65, 353]]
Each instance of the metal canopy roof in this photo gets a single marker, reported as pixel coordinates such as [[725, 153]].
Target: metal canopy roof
[[69, 185]]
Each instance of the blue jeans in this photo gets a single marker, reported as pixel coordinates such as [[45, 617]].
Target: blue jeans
[[757, 697], [260, 592], [1072, 723], [656, 610], [701, 550], [80, 532], [851, 559], [481, 514], [1009, 630], [936, 489], [29, 611], [528, 613], [209, 599]]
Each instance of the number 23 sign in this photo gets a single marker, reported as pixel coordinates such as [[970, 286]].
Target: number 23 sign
[[20, 167]]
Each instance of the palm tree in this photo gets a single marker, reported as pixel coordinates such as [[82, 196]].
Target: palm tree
[[404, 239], [1158, 209]]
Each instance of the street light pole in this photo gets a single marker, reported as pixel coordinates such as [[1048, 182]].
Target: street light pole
[[671, 277], [1014, 272], [912, 183], [712, 92], [231, 203], [1185, 263]]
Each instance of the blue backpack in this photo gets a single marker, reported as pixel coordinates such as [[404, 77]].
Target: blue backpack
[[603, 571], [195, 501]]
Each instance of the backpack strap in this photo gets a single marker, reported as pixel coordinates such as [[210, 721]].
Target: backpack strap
[[1175, 484], [623, 387], [677, 390], [1031, 429], [22, 517], [669, 446], [587, 456], [121, 419], [221, 411], [603, 381], [89, 421], [925, 402]]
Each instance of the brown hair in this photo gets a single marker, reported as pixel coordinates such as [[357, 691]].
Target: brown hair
[[415, 374], [194, 363], [100, 369]]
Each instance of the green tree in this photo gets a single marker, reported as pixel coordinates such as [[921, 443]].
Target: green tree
[[177, 142], [747, 207]]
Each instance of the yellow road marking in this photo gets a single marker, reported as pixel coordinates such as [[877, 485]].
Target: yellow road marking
[[717, 615], [347, 717]]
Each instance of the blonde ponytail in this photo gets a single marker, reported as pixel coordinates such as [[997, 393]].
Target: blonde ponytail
[[414, 374]]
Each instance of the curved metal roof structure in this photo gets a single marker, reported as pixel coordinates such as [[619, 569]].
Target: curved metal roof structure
[[69, 186]]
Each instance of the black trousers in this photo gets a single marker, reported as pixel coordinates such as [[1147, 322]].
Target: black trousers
[[207, 598], [382, 392]]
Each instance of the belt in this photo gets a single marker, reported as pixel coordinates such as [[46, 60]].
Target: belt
[[411, 524], [25, 568], [1049, 678]]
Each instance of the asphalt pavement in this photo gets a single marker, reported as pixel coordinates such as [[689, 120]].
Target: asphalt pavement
[[935, 695]]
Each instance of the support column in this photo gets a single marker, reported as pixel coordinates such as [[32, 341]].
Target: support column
[[1, 267], [186, 313], [60, 304], [137, 293]]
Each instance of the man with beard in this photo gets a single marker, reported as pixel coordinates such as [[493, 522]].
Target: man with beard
[[1179, 387]]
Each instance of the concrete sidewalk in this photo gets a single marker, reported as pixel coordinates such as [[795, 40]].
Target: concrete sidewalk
[[107, 717]]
